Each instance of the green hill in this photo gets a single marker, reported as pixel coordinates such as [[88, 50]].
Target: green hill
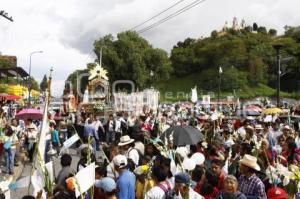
[[179, 89]]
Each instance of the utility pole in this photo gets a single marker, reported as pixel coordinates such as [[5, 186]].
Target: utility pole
[[277, 47], [5, 15]]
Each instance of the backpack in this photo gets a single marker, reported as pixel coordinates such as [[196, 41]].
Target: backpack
[[168, 191], [140, 154]]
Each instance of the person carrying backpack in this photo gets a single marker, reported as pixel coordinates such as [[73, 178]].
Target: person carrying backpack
[[127, 145], [162, 186]]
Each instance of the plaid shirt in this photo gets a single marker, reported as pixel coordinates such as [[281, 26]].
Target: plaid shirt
[[252, 186]]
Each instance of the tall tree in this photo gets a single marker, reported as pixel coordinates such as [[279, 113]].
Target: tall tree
[[131, 57], [262, 29], [44, 84], [255, 26], [272, 32]]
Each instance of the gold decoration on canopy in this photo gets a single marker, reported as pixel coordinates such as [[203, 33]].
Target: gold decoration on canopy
[[97, 72]]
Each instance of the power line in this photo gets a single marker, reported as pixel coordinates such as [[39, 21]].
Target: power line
[[182, 10], [4, 14], [175, 4]]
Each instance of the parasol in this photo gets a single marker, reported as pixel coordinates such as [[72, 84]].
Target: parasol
[[270, 111], [247, 112], [253, 108], [34, 114], [182, 135]]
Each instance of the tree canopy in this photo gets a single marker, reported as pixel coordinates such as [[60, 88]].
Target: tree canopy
[[247, 57], [44, 84], [131, 57]]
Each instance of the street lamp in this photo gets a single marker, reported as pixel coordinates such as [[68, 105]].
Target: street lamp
[[219, 85], [277, 47], [151, 75], [29, 83]]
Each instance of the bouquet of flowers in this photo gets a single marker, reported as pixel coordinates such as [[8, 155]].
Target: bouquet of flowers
[[99, 106], [295, 177], [279, 174]]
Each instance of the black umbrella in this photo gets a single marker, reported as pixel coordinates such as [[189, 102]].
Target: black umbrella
[[182, 135]]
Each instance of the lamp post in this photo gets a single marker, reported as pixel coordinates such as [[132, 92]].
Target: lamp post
[[29, 83], [151, 75], [219, 85], [277, 47]]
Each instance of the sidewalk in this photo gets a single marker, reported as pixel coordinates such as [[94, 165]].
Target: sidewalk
[[6, 179]]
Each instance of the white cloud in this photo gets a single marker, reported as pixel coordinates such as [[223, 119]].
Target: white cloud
[[65, 30]]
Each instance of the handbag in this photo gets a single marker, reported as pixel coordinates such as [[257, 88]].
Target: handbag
[[7, 145]]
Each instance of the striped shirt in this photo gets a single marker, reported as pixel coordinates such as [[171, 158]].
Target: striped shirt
[[252, 187]]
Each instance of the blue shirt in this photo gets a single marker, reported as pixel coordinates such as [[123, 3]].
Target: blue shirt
[[54, 136], [126, 185]]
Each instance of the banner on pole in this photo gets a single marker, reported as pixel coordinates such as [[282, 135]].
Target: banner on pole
[[69, 142], [85, 179]]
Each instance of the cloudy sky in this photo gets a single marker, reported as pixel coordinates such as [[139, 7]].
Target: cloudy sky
[[65, 29]]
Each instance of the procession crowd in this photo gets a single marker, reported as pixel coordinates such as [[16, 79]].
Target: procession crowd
[[135, 158]]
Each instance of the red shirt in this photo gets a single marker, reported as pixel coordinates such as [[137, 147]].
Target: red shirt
[[209, 196], [221, 180]]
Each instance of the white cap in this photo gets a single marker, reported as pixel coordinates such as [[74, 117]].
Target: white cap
[[120, 161], [287, 127]]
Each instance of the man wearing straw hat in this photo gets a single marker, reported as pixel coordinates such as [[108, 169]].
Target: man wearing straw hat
[[127, 145], [249, 183]]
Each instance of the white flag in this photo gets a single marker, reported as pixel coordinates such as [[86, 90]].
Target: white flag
[[194, 97], [85, 179], [69, 142], [44, 131], [220, 70]]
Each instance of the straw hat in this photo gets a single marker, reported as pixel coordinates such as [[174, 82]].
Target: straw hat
[[250, 161], [124, 140], [31, 126], [258, 127], [249, 127]]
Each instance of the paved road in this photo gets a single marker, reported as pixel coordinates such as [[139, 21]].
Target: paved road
[[18, 193]]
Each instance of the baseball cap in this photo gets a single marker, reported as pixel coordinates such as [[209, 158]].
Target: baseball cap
[[183, 178], [107, 184], [120, 161], [276, 193]]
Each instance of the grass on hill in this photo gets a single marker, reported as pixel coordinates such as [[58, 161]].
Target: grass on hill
[[179, 89]]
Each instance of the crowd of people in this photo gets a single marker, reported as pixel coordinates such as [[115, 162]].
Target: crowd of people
[[231, 161]]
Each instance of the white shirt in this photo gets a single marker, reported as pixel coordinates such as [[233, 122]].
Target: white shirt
[[155, 193], [118, 125], [133, 155], [110, 173], [97, 124], [192, 195], [111, 125], [131, 121], [140, 146]]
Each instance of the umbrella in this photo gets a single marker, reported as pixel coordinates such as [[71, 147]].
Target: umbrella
[[12, 97], [270, 111], [183, 135], [253, 108], [247, 112], [9, 97], [34, 114]]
